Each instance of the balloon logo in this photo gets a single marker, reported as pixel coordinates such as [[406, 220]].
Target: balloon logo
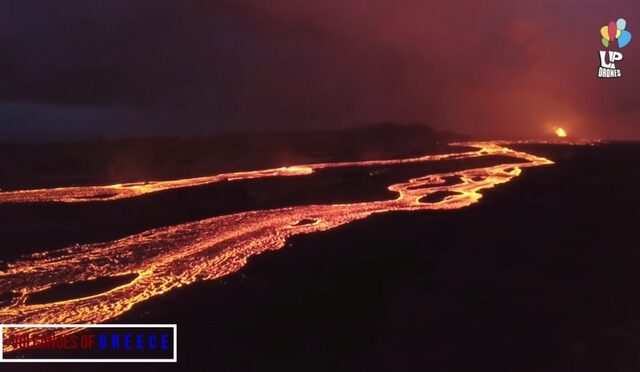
[[615, 31]]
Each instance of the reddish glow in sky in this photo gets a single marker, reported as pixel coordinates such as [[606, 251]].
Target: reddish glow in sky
[[491, 68]]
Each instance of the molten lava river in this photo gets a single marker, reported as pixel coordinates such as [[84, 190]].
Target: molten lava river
[[174, 256]]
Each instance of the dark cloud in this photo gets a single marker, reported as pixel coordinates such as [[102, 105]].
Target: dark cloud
[[495, 68], [56, 122]]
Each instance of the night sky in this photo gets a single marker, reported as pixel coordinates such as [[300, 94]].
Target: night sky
[[82, 68]]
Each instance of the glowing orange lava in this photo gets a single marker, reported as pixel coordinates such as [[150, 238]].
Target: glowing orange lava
[[174, 256]]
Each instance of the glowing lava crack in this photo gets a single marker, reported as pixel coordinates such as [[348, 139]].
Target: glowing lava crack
[[174, 256]]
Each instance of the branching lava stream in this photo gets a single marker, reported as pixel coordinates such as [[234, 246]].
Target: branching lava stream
[[175, 256]]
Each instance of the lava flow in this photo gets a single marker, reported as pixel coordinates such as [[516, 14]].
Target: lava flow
[[130, 190], [174, 256]]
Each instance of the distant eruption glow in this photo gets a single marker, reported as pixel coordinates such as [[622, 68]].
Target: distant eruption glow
[[560, 132], [174, 256]]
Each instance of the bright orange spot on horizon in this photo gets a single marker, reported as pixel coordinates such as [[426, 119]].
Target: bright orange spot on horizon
[[560, 132]]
